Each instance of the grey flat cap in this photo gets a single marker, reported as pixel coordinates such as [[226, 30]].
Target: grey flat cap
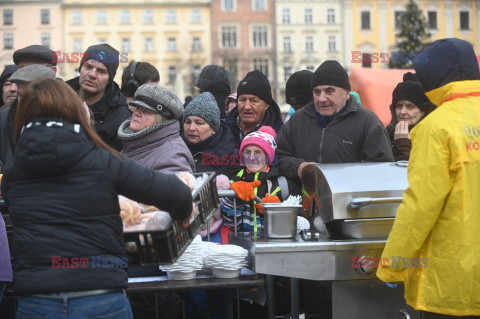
[[32, 73], [158, 99]]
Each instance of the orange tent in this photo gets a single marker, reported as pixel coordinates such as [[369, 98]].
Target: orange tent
[[375, 87]]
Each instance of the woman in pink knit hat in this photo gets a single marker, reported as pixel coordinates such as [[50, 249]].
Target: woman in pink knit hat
[[259, 177]]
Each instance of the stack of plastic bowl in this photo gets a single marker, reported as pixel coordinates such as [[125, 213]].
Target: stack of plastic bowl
[[226, 261], [188, 263]]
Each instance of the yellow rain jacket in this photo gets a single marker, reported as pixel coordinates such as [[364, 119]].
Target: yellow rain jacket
[[434, 245]]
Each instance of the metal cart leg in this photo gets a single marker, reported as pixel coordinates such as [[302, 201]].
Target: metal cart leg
[[270, 287], [294, 298]]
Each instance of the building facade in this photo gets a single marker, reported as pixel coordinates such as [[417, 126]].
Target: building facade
[[174, 36], [243, 37], [370, 26], [308, 33], [29, 22]]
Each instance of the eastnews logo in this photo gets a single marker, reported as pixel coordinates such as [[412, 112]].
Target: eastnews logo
[[397, 262], [384, 57], [77, 57], [89, 262]]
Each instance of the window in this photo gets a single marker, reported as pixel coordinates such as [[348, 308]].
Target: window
[[45, 39], [124, 16], [125, 45], [196, 70], [172, 74], [232, 66], [330, 16], [196, 44], [366, 60], [287, 72], [171, 44], [45, 16], [148, 16], [398, 19], [286, 16], [77, 45], [259, 5], [464, 20], [260, 36], [332, 43], [287, 44], [8, 41], [228, 5], [229, 36], [171, 16], [261, 64], [365, 18], [101, 40], [308, 14], [7, 17], [195, 16], [102, 16], [77, 17], [148, 44], [432, 19], [309, 45]]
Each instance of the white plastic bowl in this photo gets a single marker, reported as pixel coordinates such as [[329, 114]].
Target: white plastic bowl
[[225, 273], [180, 275]]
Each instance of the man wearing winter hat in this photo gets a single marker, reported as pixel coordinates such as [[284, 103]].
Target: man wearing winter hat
[[9, 91], [20, 80], [255, 107], [35, 54], [297, 89], [97, 88], [216, 80], [332, 128], [152, 136]]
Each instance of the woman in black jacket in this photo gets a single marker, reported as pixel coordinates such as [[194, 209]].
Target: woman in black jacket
[[62, 195]]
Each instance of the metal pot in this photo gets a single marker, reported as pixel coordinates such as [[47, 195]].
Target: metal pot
[[280, 220]]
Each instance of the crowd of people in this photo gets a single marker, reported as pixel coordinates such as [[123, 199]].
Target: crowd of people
[[68, 149]]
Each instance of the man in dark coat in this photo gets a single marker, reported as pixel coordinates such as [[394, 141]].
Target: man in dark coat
[[255, 108], [332, 128], [96, 87]]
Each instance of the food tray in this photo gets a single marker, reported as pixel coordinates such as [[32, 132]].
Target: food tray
[[165, 246]]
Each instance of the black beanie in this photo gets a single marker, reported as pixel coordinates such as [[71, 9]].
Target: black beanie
[[297, 88], [103, 53], [330, 72], [411, 90], [256, 83]]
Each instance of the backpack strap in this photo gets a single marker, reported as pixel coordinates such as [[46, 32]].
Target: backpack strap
[[283, 184]]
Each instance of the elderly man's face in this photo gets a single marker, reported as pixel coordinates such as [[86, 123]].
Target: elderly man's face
[[93, 77], [329, 99], [251, 109], [9, 91]]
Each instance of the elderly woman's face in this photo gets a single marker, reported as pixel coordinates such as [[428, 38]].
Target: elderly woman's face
[[142, 118], [251, 109], [408, 112], [197, 129]]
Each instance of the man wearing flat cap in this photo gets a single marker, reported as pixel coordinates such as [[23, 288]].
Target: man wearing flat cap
[[96, 87], [20, 80], [255, 107], [332, 128]]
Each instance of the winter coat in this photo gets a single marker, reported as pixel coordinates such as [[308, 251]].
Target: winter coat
[[246, 210], [5, 263], [62, 196], [163, 150], [437, 223], [216, 153], [109, 112], [357, 135], [7, 131], [272, 118]]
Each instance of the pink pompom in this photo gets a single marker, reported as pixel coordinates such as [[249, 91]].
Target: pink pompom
[[223, 182], [268, 130]]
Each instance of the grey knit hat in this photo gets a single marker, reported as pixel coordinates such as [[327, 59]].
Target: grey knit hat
[[158, 99], [212, 74], [32, 73], [204, 106]]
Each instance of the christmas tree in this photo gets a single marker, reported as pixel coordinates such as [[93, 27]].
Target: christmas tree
[[411, 38]]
